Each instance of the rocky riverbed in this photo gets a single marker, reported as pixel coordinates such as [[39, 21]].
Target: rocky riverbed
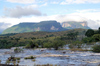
[[54, 57]]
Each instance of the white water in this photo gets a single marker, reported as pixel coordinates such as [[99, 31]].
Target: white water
[[75, 58]]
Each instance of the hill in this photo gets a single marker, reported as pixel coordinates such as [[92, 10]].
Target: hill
[[22, 39], [41, 34], [74, 25], [49, 26]]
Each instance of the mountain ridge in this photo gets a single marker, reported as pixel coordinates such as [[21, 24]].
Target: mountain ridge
[[74, 24], [49, 26]]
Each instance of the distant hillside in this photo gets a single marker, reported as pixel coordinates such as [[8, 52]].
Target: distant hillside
[[41, 34], [49, 26], [74, 25]]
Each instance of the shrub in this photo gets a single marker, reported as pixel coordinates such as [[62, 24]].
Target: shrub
[[17, 50], [30, 57], [76, 44], [88, 40], [96, 48], [32, 45], [96, 37]]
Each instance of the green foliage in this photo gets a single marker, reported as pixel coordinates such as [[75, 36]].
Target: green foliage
[[72, 36], [96, 48], [89, 33], [5, 44], [30, 57], [76, 44], [48, 45], [17, 39], [17, 50], [88, 40], [32, 45], [37, 39], [13, 60], [57, 44], [96, 37]]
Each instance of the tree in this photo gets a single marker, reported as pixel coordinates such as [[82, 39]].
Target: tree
[[96, 37], [57, 44], [32, 45], [76, 44], [99, 30], [96, 48], [89, 33], [88, 40], [72, 36], [17, 39]]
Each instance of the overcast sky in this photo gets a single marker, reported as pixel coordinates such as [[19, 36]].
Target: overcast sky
[[15, 11]]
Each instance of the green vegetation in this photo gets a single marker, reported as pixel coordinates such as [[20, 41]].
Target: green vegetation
[[92, 36], [89, 33], [17, 50], [30, 57], [13, 60], [41, 39], [96, 48], [76, 39]]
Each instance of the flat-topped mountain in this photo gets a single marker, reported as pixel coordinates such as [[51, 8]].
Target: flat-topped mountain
[[73, 25], [50, 26]]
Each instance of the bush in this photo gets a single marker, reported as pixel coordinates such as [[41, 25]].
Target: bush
[[89, 33], [76, 44], [96, 48], [88, 40], [32, 45], [17, 50], [30, 57], [57, 44], [96, 37]]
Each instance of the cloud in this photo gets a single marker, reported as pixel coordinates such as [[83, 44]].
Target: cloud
[[54, 2], [45, 4], [3, 26], [88, 10], [94, 24], [22, 1], [69, 17], [21, 11], [79, 1], [89, 15]]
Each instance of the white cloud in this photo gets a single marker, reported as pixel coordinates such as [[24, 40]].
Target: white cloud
[[92, 16], [87, 10], [54, 2], [45, 4], [79, 1], [89, 15], [3, 26], [21, 11], [22, 1]]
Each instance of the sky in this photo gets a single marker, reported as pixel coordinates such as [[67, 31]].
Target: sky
[[13, 12]]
